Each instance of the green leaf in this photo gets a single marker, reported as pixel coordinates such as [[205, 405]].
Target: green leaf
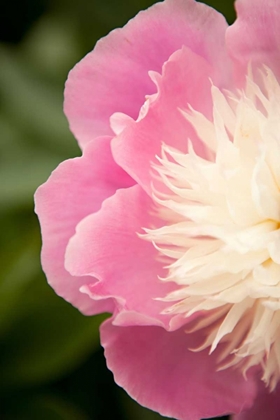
[[49, 339], [14, 281], [35, 136], [51, 47], [43, 407], [34, 106], [20, 244]]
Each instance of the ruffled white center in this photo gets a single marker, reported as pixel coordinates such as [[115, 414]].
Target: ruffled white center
[[221, 235]]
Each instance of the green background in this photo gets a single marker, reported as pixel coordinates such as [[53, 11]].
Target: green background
[[51, 363]]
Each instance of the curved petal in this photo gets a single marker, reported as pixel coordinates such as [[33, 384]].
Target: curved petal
[[266, 406], [107, 246], [156, 368], [74, 190], [185, 80], [114, 76], [254, 37]]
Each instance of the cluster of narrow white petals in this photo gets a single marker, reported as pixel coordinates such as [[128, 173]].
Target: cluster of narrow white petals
[[221, 234]]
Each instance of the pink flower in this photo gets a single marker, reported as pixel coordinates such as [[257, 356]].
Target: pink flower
[[170, 219]]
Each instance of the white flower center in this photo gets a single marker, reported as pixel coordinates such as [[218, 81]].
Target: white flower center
[[221, 236]]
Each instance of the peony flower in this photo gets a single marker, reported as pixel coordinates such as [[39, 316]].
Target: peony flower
[[170, 218]]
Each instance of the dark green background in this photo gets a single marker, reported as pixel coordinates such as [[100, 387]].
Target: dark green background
[[51, 363]]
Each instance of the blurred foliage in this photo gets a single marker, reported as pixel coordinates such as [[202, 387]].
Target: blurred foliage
[[51, 364]]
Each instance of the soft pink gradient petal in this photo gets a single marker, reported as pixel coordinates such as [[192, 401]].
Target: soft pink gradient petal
[[266, 406], [254, 37], [114, 77], [156, 368], [106, 246], [74, 190], [185, 80]]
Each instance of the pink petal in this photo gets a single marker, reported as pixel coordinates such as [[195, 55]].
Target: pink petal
[[106, 246], [255, 34], [114, 77], [266, 406], [156, 368], [74, 190], [185, 80]]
